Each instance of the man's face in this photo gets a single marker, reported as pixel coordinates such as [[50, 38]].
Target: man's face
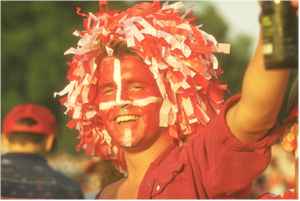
[[130, 101]]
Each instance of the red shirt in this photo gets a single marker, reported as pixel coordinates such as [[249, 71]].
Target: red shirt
[[212, 164]]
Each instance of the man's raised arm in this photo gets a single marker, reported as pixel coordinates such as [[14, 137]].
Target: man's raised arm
[[261, 99]]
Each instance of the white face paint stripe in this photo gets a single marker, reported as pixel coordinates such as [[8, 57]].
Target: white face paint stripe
[[127, 138], [145, 101], [117, 79], [110, 104], [138, 102]]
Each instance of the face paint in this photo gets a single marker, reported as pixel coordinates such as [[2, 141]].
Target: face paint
[[138, 102], [117, 79], [127, 138], [130, 111]]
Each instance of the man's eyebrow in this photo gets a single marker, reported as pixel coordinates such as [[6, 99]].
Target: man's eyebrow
[[137, 81], [107, 84]]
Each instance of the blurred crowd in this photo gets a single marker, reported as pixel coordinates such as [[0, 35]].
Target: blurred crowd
[[91, 173], [29, 171], [280, 176]]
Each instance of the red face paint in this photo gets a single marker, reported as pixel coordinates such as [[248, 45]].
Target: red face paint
[[130, 125]]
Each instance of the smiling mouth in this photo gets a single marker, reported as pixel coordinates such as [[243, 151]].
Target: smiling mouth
[[126, 118]]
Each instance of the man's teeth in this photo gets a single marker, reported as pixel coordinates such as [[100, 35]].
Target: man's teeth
[[126, 118]]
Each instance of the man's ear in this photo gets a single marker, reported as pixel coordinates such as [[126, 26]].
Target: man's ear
[[49, 142]]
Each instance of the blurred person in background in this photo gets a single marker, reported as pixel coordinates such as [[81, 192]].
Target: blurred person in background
[[96, 175], [90, 172], [281, 177], [28, 133]]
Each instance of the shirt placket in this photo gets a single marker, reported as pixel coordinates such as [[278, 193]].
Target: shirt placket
[[165, 178]]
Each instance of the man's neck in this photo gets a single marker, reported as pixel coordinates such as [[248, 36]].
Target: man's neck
[[139, 162]]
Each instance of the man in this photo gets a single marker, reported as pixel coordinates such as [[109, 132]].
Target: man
[[28, 131], [144, 79]]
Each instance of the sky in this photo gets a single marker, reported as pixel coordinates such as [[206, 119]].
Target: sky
[[241, 15]]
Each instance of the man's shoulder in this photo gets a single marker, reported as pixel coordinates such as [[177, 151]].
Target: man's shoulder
[[110, 191]]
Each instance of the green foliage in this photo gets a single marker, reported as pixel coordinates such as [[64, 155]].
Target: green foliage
[[35, 35], [212, 22], [235, 64]]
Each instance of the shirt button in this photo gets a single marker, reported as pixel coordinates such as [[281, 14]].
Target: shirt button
[[158, 187]]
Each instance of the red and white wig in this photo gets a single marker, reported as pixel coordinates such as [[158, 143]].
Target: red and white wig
[[180, 56]]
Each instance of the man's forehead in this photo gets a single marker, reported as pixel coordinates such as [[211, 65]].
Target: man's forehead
[[126, 58], [131, 66], [107, 64]]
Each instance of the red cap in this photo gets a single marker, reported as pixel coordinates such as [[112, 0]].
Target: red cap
[[45, 120]]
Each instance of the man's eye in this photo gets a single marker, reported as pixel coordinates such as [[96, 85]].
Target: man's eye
[[136, 87], [107, 90]]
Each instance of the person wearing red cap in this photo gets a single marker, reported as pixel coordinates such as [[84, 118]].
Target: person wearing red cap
[[29, 131]]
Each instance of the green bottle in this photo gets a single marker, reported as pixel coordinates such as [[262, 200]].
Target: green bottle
[[279, 23]]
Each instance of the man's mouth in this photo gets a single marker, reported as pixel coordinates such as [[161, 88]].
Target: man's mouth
[[126, 118]]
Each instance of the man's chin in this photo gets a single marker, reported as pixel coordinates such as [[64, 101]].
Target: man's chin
[[135, 146], [138, 145]]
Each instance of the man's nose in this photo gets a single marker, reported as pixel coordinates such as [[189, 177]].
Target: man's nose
[[125, 101], [124, 94], [124, 106]]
